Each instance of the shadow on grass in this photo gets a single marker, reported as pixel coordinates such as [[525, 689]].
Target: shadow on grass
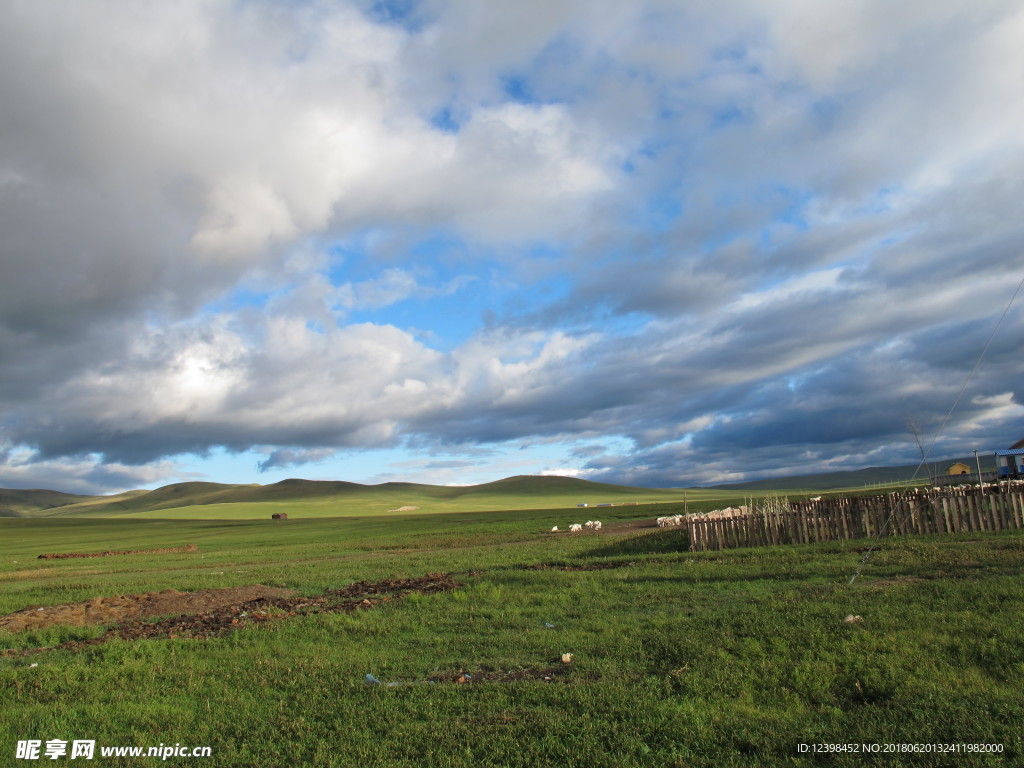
[[661, 542]]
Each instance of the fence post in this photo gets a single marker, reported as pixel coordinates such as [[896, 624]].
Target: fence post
[[977, 523]]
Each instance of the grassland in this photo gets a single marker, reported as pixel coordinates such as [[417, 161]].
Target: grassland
[[680, 659], [307, 498]]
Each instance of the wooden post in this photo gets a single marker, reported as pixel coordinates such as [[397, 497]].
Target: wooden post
[[934, 511], [884, 518], [924, 516], [969, 523], [991, 511], [1002, 502], [977, 521], [995, 503], [979, 511]]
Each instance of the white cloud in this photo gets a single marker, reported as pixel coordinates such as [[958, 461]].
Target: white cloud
[[730, 204], [88, 475], [567, 472]]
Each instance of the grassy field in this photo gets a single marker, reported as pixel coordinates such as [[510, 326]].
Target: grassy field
[[307, 498], [680, 659]]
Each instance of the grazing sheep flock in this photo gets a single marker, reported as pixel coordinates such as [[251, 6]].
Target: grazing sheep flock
[[593, 525], [728, 513], [715, 514], [998, 486]]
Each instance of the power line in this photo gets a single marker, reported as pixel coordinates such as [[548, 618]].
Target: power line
[[971, 375], [924, 458]]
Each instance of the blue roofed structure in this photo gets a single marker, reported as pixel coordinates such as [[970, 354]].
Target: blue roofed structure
[[1010, 462]]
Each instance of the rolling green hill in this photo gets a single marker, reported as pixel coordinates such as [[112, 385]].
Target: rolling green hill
[[322, 498], [312, 498], [22, 503], [42, 503]]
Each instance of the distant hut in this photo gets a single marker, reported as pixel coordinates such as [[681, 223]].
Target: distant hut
[[279, 516], [1010, 463], [958, 469]]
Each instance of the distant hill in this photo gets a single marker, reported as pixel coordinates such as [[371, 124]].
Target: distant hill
[[41, 503], [320, 497], [537, 485], [333, 498], [18, 503], [855, 478]]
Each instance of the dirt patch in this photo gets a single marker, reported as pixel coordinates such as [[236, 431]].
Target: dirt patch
[[34, 573], [111, 553], [590, 567], [119, 608], [547, 674], [214, 612]]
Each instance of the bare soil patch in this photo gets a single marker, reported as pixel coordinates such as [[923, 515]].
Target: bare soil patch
[[113, 552], [589, 567], [108, 610], [546, 674], [212, 612]]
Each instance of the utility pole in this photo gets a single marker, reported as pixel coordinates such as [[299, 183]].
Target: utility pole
[[981, 483]]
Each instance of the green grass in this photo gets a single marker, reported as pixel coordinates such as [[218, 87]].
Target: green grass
[[305, 498], [21, 503], [681, 659]]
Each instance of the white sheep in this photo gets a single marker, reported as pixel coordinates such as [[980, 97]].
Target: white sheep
[[593, 524], [555, 529], [575, 528]]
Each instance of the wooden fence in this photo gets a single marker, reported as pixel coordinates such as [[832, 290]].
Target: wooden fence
[[862, 517]]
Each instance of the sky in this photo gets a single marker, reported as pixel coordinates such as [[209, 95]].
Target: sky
[[659, 243]]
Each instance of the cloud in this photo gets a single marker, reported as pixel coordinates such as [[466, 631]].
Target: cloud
[[286, 458], [88, 475], [208, 150], [700, 230]]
